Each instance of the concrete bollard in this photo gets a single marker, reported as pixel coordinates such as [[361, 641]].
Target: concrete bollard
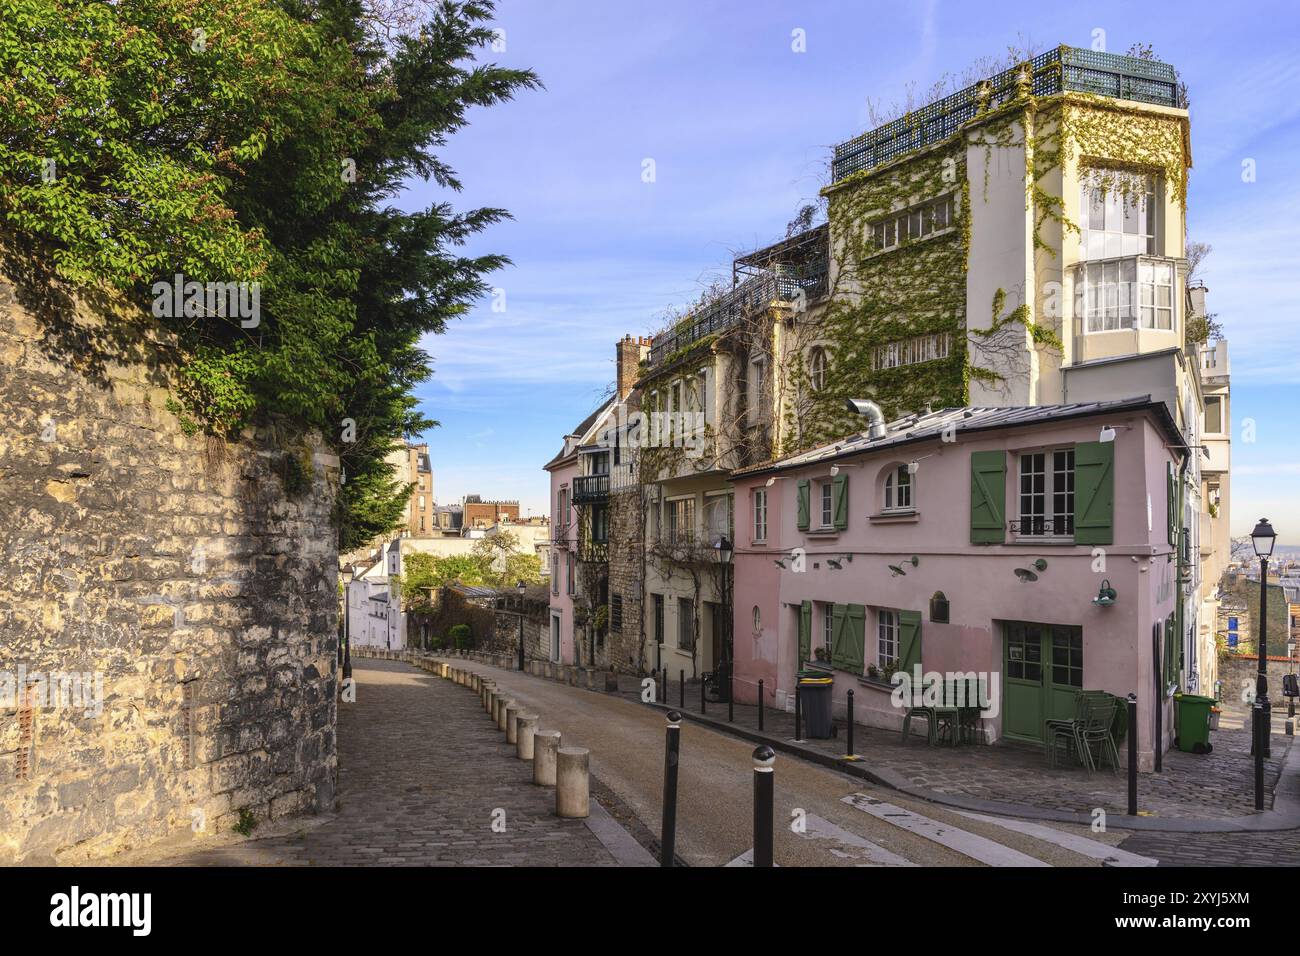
[[498, 701], [512, 722], [491, 705], [488, 688], [591, 680], [527, 730], [572, 783], [546, 748], [501, 713]]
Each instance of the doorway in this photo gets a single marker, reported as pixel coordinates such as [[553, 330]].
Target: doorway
[[1043, 666]]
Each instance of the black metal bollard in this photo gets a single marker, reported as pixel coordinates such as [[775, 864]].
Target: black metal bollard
[[764, 800], [1257, 729], [798, 714], [760, 703], [850, 752], [1132, 755], [702, 704], [681, 690], [668, 826], [731, 695]]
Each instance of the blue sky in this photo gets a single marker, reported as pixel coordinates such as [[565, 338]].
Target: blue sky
[[740, 128]]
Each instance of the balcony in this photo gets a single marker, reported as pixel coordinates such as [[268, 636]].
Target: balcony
[[622, 477], [1056, 71], [793, 289], [590, 489]]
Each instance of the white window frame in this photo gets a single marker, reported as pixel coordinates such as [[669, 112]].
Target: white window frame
[[675, 535], [886, 637], [827, 491], [933, 217], [760, 515], [828, 626], [817, 368], [900, 480], [1119, 209], [1058, 474]]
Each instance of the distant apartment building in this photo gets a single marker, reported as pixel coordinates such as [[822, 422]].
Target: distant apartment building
[[411, 466], [479, 515]]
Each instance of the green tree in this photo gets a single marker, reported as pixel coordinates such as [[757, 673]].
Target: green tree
[[504, 564]]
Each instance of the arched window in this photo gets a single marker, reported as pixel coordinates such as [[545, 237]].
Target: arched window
[[817, 368], [898, 489], [758, 619]]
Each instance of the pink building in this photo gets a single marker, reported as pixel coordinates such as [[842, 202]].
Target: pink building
[[969, 540], [564, 469]]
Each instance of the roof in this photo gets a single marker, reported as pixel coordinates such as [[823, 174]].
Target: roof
[[472, 591], [929, 426], [583, 427]]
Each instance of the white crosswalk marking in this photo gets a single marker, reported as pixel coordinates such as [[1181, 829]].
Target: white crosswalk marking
[[1095, 849], [851, 846], [968, 844]]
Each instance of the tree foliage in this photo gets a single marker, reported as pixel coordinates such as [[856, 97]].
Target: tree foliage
[[261, 141]]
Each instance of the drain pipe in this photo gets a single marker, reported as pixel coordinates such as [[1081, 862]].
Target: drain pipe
[[875, 417]]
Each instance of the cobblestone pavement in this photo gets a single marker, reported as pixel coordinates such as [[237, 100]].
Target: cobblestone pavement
[[422, 770], [1218, 785], [1218, 849]]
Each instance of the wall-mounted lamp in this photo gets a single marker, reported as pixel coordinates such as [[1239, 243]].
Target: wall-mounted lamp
[[1108, 432], [773, 480], [1040, 564], [1026, 576], [1106, 596], [835, 469]]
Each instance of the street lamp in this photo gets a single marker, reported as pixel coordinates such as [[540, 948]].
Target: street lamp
[[347, 573], [1262, 538], [724, 549], [520, 588]]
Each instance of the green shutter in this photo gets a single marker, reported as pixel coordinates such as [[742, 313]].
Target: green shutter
[[909, 638], [841, 501], [1171, 504], [802, 490], [988, 496], [848, 637], [1094, 492], [1171, 651], [805, 631]]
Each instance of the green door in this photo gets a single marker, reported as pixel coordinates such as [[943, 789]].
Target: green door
[[1043, 665]]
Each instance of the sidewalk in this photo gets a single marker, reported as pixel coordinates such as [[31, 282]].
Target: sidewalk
[[1193, 793], [422, 775]]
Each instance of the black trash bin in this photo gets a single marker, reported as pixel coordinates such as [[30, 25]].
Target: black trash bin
[[815, 700]]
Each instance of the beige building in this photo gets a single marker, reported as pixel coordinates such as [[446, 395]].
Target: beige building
[[411, 466]]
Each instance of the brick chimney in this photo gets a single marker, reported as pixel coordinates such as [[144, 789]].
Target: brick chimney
[[630, 351]]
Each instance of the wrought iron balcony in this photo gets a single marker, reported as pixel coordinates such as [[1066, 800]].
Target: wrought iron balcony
[[1041, 526], [589, 489], [1056, 71], [763, 291]]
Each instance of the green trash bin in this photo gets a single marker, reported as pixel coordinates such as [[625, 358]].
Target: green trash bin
[[1192, 723]]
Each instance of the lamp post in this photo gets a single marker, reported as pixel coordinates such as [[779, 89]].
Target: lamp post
[[347, 574], [519, 589], [724, 549], [1263, 538]]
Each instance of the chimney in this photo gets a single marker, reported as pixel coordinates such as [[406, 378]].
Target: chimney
[[629, 352]]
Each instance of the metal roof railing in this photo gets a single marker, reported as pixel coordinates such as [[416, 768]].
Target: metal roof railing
[[1056, 71]]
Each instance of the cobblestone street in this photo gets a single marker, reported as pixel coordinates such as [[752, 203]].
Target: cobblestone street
[[421, 771]]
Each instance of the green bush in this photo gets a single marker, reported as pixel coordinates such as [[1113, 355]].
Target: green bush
[[460, 634]]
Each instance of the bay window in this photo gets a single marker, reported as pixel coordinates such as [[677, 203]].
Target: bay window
[[1130, 293]]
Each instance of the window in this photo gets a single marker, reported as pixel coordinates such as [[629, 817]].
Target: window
[[911, 351], [898, 489], [760, 514], [1024, 653], [421, 522], [717, 518], [555, 573], [1119, 215], [657, 604], [421, 499], [685, 623], [616, 612], [599, 524], [917, 223], [828, 626], [828, 503], [886, 637], [681, 521], [1067, 656], [817, 369], [758, 619], [1126, 294], [1047, 493], [1214, 415], [572, 584]]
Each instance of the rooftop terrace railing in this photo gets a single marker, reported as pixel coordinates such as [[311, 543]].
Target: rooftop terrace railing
[[1056, 71], [751, 296]]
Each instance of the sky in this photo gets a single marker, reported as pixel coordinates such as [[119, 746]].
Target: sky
[[740, 129]]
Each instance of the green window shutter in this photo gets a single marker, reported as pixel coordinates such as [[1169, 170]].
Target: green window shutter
[[848, 637], [988, 497], [909, 638], [803, 491], [1094, 492], [1171, 504], [841, 501], [805, 631], [1171, 651]]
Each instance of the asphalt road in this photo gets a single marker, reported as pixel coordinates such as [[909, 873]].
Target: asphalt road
[[715, 792]]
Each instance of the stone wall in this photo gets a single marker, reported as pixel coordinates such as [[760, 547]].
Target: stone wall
[[624, 645], [183, 588]]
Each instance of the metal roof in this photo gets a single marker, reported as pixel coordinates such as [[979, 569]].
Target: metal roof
[[926, 426]]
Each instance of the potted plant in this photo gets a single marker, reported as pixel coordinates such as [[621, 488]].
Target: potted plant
[[873, 672], [821, 655]]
